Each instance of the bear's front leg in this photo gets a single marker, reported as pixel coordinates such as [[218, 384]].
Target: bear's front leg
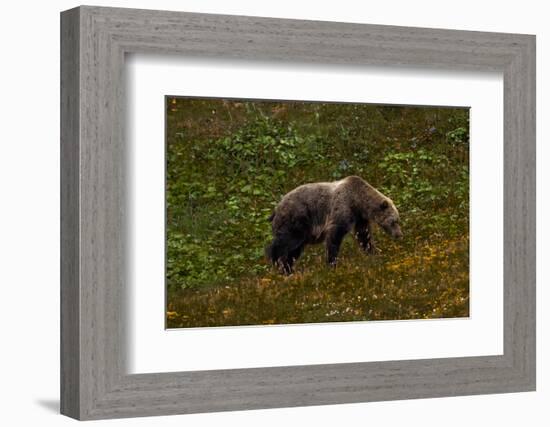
[[333, 242], [363, 234]]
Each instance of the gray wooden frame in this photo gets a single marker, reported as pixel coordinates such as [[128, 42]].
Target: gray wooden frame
[[94, 382]]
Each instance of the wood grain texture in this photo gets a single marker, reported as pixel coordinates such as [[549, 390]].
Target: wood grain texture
[[70, 291], [94, 270]]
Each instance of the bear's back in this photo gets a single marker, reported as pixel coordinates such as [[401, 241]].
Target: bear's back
[[309, 202], [310, 195]]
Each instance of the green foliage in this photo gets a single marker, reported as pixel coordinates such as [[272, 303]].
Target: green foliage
[[229, 163], [458, 135], [425, 184], [217, 229]]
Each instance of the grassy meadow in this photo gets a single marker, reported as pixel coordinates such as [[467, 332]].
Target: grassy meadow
[[229, 162]]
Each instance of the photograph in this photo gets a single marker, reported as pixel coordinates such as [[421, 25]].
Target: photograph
[[274, 215], [292, 212]]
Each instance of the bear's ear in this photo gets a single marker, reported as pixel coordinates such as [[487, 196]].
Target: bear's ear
[[384, 205]]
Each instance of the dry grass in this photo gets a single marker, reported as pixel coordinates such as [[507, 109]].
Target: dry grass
[[432, 282]]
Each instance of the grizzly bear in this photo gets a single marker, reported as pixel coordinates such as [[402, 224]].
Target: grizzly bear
[[326, 212]]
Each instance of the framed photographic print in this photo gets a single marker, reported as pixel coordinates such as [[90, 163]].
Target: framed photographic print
[[262, 213], [220, 227]]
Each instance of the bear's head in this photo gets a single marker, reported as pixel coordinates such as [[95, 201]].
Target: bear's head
[[387, 217]]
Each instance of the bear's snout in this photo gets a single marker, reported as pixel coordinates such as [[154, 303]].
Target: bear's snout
[[397, 233]]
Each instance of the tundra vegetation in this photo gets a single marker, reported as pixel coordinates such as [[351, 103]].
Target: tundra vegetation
[[228, 163]]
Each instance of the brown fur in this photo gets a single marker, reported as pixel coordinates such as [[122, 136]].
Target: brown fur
[[326, 212]]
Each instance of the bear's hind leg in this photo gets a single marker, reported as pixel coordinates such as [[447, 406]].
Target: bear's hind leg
[[295, 248], [284, 251], [293, 256]]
